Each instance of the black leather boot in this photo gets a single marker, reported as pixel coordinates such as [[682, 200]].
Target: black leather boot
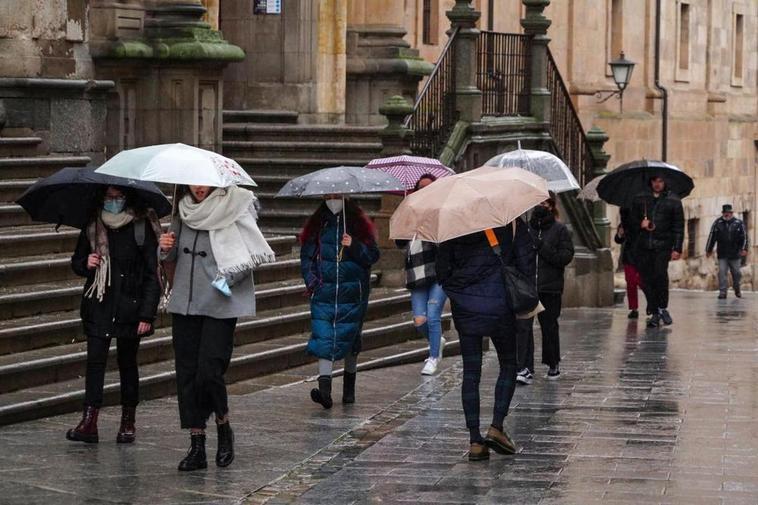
[[323, 395], [225, 452], [127, 431], [348, 388], [195, 458], [86, 430]]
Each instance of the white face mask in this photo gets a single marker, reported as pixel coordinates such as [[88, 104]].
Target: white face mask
[[335, 205]]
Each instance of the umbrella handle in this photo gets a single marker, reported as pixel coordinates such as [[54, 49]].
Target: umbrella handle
[[173, 202]]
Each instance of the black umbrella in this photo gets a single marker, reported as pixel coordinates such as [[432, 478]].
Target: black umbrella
[[71, 195], [623, 184]]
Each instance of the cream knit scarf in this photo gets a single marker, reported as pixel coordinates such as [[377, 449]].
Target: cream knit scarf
[[98, 241], [229, 216]]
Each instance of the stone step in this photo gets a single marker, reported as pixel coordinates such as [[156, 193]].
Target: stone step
[[294, 166], [158, 379], [62, 328], [260, 116], [20, 146], [13, 215], [57, 267], [43, 239], [54, 364], [12, 189], [305, 133], [38, 166], [33, 299], [337, 150]]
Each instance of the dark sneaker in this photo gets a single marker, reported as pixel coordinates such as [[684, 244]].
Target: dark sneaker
[[666, 317], [633, 314], [500, 441], [525, 377], [738, 293], [722, 296], [478, 452], [654, 321], [553, 372]]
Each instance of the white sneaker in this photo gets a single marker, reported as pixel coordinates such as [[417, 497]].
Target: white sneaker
[[430, 366], [442, 347]]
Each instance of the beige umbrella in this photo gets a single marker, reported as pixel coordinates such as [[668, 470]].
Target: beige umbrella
[[473, 201], [589, 192]]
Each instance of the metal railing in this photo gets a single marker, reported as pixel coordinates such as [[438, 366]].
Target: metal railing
[[434, 113], [503, 67], [566, 128]]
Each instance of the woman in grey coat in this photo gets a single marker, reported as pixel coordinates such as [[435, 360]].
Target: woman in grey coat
[[214, 244]]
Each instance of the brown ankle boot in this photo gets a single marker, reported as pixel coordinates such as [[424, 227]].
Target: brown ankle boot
[[126, 433], [86, 430]]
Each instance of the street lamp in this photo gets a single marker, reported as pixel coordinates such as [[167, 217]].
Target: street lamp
[[621, 69]]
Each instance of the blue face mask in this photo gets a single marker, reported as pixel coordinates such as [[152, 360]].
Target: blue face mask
[[114, 206]]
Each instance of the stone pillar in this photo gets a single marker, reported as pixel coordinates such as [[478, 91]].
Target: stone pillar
[[596, 138], [468, 96], [536, 24], [380, 63], [167, 63], [396, 141]]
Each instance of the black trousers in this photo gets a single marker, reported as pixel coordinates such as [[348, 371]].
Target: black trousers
[[653, 265], [548, 318], [202, 351], [525, 343], [471, 351], [97, 358]]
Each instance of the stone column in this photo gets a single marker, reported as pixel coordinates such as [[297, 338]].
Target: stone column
[[395, 136], [536, 24], [467, 95], [380, 63], [596, 138]]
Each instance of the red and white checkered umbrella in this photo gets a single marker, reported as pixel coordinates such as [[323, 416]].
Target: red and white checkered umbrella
[[409, 169]]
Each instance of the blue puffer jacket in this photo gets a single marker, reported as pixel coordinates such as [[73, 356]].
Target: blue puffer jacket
[[470, 273], [340, 289]]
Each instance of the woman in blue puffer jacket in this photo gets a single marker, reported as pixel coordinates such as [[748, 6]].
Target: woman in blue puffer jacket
[[338, 249]]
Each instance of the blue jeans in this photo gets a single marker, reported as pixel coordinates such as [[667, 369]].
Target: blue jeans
[[427, 304]]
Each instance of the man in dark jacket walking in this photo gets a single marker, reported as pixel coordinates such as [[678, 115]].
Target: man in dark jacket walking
[[728, 234], [659, 217], [555, 250]]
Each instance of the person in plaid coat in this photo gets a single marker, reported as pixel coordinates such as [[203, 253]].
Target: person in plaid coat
[[427, 297]]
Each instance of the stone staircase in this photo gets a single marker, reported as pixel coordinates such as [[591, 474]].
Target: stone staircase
[[42, 349]]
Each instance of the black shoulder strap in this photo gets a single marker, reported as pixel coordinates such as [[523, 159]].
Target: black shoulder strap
[[139, 232]]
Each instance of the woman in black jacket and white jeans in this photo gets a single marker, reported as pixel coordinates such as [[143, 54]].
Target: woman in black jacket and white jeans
[[554, 251]]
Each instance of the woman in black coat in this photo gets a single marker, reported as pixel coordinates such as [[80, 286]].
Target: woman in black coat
[[470, 273], [118, 255], [555, 250]]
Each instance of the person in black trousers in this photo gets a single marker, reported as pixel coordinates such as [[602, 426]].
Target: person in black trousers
[[659, 217], [555, 250], [470, 273], [116, 253]]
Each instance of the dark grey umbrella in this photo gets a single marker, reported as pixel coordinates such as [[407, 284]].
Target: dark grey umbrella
[[71, 195], [623, 184], [343, 181]]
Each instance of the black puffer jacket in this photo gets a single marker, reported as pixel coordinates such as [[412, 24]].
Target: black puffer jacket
[[555, 250], [134, 292], [470, 273], [667, 215], [627, 242], [729, 237]]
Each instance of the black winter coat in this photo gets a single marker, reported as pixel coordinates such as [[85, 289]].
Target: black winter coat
[[134, 293], [627, 242], [729, 237], [470, 273], [555, 250], [667, 215]]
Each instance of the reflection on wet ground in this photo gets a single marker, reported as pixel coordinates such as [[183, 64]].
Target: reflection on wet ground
[[638, 416]]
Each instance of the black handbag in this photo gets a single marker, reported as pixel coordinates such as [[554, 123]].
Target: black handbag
[[521, 288]]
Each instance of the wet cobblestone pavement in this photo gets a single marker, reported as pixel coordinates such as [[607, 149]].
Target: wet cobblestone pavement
[[664, 416]]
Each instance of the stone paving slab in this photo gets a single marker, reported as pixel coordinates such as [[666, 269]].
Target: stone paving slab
[[639, 416]]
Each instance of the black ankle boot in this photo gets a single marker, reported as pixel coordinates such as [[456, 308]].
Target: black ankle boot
[[86, 430], [127, 432], [195, 458], [225, 452], [323, 395], [348, 388]]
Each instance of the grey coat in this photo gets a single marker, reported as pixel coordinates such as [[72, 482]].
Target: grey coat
[[192, 293]]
